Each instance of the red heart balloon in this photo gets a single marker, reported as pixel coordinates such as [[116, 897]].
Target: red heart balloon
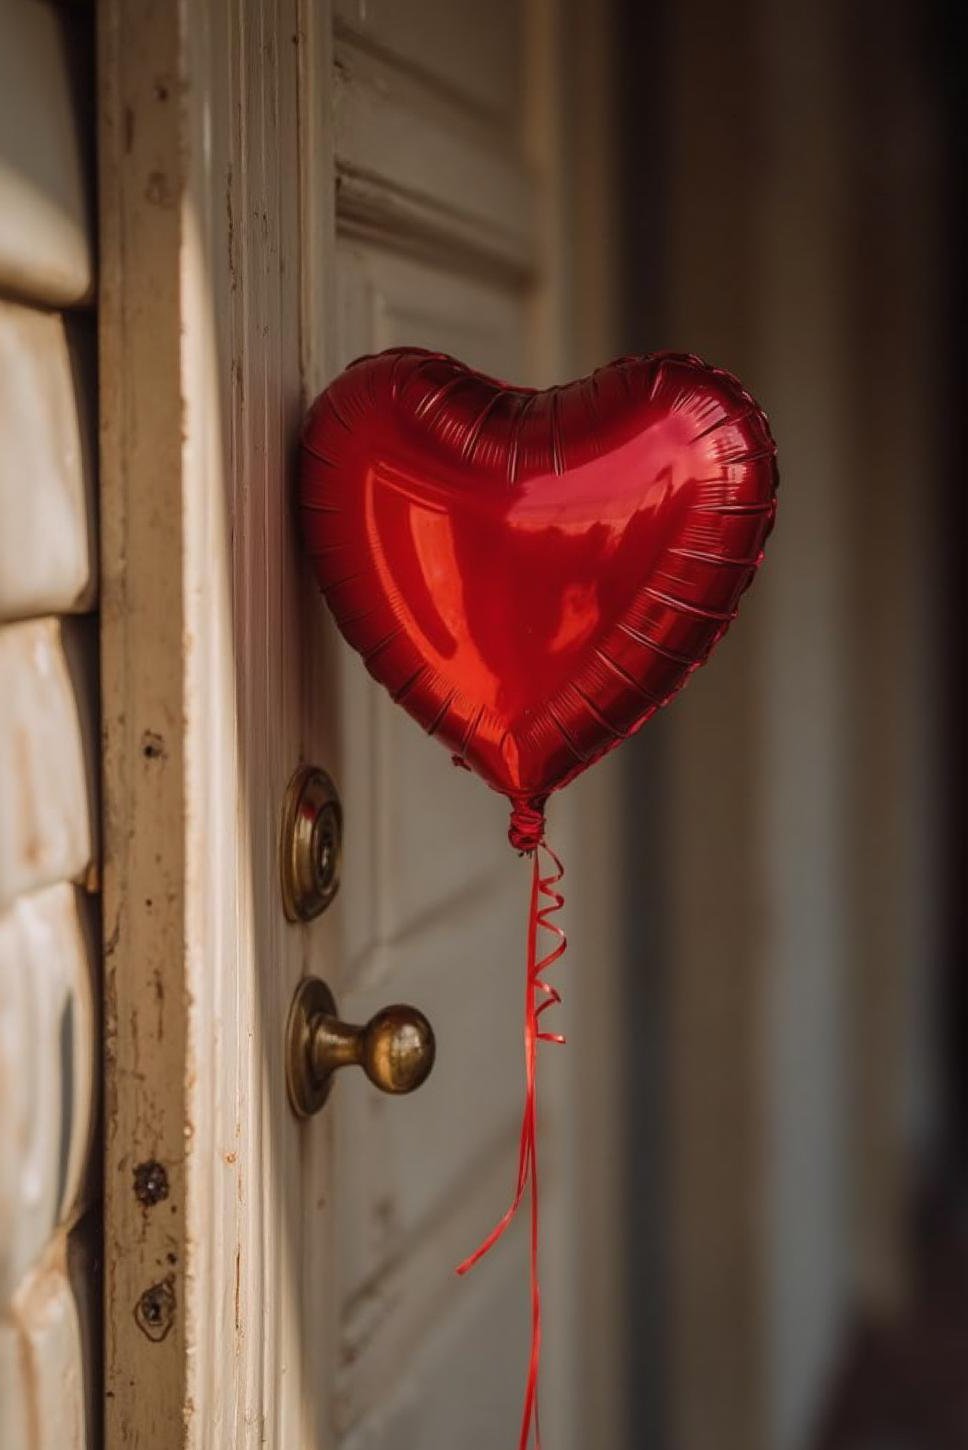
[[531, 574]]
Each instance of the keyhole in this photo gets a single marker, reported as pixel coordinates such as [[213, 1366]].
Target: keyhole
[[325, 848]]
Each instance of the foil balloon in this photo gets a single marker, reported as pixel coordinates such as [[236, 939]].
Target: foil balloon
[[531, 574]]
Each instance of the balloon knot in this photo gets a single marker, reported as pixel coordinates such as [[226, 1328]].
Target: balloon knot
[[527, 824]]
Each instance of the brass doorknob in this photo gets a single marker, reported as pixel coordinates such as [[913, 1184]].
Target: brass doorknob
[[395, 1049]]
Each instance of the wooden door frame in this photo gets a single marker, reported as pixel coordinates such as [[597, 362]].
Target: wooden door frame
[[200, 256]]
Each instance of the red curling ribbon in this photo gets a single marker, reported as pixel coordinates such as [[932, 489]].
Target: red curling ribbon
[[540, 995]]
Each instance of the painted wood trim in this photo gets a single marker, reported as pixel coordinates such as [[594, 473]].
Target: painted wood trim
[[144, 477], [203, 607]]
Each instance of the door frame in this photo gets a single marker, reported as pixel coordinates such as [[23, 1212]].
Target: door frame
[[200, 257]]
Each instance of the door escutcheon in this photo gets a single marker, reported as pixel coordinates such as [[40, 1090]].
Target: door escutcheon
[[311, 843], [395, 1049]]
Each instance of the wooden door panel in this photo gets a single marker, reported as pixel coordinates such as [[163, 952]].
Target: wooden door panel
[[466, 975], [435, 904], [470, 50], [421, 171], [450, 833], [432, 831], [464, 1375], [479, 320], [417, 835]]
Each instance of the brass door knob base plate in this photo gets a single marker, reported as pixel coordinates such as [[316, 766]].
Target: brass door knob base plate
[[307, 1091]]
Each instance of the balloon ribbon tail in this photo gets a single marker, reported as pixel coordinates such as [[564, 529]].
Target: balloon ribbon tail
[[539, 996]]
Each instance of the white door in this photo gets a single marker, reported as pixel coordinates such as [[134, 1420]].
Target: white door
[[285, 188]]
